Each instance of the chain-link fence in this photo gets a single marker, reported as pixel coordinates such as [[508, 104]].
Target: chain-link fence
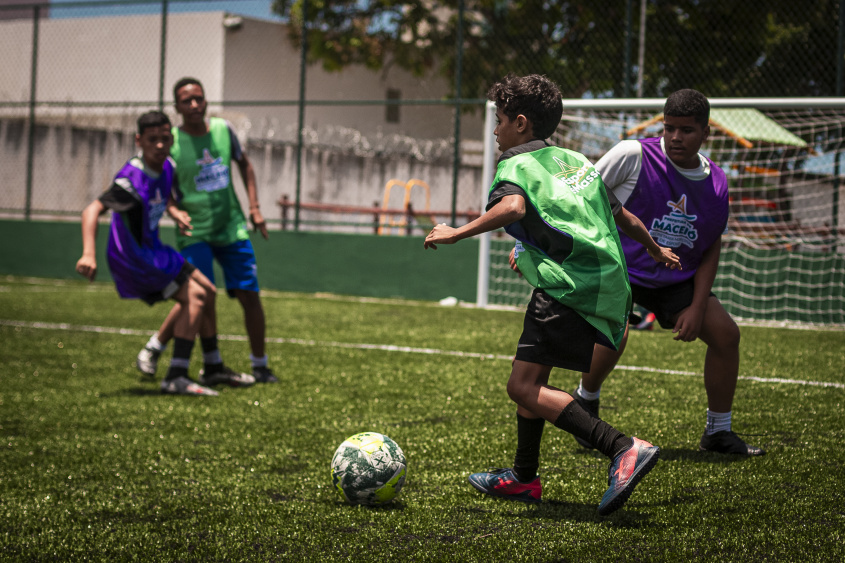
[[374, 121]]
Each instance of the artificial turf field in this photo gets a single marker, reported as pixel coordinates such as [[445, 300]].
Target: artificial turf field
[[96, 464]]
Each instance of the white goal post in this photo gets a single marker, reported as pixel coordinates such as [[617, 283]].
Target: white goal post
[[783, 256]]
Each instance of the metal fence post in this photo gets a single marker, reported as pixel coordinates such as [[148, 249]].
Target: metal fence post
[[456, 146], [163, 56], [30, 149], [301, 116]]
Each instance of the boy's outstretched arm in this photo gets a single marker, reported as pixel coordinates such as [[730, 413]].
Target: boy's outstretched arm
[[634, 228], [87, 265], [509, 209]]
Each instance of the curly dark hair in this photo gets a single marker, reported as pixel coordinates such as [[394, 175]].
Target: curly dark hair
[[152, 119], [184, 82], [534, 96], [688, 103]]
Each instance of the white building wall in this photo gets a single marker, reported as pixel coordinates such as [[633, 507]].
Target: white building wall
[[351, 151]]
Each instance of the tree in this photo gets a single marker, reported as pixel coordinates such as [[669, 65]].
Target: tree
[[721, 47]]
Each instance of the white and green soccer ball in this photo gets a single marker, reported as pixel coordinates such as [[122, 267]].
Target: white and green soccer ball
[[369, 468]]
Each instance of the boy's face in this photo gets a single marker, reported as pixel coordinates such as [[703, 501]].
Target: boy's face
[[511, 133], [155, 143], [683, 138], [191, 104]]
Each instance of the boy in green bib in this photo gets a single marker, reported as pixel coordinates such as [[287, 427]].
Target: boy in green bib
[[554, 203]]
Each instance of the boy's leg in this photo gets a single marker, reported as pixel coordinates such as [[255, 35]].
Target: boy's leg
[[604, 360], [721, 362], [588, 390], [632, 457], [200, 256], [253, 319], [721, 371], [214, 371], [240, 269], [528, 387], [521, 482], [192, 297], [147, 360]]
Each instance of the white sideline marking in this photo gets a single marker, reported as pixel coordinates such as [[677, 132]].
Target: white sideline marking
[[389, 348]]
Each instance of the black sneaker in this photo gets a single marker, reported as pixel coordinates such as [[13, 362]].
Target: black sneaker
[[264, 375], [727, 442], [591, 407], [225, 374]]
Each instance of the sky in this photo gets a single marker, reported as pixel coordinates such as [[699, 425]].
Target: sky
[[253, 8]]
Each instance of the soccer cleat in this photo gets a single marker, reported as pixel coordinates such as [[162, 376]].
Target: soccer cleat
[[591, 407], [727, 442], [147, 361], [225, 374], [503, 483], [625, 472], [185, 386], [264, 375]]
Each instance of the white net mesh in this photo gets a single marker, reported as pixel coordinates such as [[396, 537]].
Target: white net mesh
[[783, 257]]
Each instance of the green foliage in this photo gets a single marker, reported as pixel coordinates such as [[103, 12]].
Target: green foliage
[[95, 464], [721, 47]]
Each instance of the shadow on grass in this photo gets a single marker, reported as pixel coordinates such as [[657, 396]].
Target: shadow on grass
[[559, 511], [695, 456]]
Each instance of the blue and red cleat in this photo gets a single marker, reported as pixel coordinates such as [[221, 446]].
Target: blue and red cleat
[[625, 472], [503, 483]]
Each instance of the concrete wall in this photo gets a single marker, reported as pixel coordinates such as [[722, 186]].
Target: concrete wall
[[73, 165], [117, 59]]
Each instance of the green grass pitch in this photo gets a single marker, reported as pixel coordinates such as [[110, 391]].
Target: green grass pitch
[[96, 464]]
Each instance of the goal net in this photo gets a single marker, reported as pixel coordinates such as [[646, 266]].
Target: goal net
[[783, 255]]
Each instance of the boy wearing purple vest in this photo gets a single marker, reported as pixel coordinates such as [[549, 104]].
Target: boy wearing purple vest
[[141, 265], [682, 198]]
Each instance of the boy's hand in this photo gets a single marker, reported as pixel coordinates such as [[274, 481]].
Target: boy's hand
[[182, 219], [688, 325], [258, 222], [512, 261], [665, 255], [440, 234], [87, 267]]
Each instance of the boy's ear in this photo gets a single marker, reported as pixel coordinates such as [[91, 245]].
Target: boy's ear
[[137, 139], [523, 125]]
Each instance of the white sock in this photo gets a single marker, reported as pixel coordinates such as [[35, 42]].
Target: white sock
[[718, 421], [258, 362], [587, 395], [155, 344]]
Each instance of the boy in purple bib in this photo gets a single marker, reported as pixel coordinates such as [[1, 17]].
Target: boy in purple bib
[[141, 265], [681, 197]]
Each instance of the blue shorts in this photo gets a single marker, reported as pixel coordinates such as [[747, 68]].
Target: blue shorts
[[237, 261]]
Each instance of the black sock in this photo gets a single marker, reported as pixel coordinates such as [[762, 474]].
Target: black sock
[[604, 437], [529, 432], [209, 344], [182, 348]]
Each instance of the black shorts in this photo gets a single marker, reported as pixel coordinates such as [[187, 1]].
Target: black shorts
[[171, 288], [665, 302], [555, 335]]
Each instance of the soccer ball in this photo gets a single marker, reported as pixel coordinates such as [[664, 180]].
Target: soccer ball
[[369, 468]]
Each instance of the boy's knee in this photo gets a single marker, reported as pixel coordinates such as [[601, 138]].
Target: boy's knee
[[516, 391], [726, 337]]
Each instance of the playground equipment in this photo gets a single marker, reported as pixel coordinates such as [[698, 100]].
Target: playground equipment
[[402, 220]]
